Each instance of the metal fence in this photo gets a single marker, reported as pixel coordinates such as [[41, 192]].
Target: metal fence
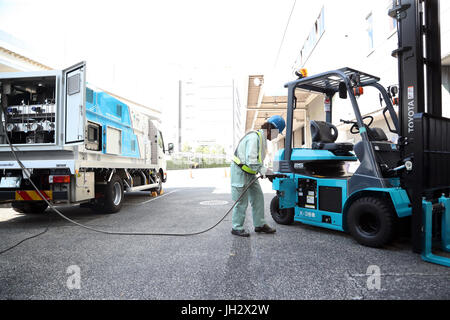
[[193, 160]]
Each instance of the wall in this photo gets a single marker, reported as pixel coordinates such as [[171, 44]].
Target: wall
[[345, 42]]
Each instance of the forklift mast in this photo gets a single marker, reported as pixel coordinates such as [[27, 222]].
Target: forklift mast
[[419, 63], [424, 133]]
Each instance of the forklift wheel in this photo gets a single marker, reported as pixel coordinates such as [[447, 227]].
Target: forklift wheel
[[35, 207], [281, 216], [371, 221]]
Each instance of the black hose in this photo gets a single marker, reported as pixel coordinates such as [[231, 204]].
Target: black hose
[[115, 232]]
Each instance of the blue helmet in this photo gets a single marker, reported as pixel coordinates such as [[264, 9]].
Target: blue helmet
[[278, 122]]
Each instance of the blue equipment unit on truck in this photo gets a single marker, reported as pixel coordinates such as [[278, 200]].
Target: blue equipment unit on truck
[[394, 181], [79, 144]]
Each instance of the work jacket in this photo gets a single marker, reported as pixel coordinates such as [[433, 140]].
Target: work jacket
[[251, 152]]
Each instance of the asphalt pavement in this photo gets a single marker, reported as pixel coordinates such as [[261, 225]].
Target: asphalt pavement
[[298, 262]]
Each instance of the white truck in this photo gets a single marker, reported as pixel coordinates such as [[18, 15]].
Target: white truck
[[79, 144]]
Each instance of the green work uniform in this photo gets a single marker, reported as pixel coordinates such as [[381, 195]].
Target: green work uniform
[[250, 152]]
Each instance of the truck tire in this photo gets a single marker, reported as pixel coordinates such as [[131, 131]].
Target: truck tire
[[113, 197], [281, 216], [35, 207], [371, 221], [159, 181]]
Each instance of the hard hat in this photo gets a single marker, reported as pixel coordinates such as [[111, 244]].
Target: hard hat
[[278, 122]]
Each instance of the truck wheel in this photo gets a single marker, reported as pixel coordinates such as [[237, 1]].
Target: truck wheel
[[371, 221], [159, 181], [113, 196], [281, 216], [35, 207]]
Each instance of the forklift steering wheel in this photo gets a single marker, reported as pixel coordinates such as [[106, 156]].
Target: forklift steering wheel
[[355, 129]]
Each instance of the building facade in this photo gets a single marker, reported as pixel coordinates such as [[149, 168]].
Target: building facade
[[209, 115], [351, 33], [361, 35]]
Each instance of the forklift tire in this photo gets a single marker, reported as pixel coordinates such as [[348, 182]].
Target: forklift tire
[[35, 207], [281, 216], [371, 221], [113, 197]]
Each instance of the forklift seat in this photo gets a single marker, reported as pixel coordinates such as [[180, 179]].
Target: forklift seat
[[324, 135], [376, 134]]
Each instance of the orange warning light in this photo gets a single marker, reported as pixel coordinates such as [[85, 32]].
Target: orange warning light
[[358, 91], [302, 73]]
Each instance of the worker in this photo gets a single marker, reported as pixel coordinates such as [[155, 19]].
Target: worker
[[247, 162]]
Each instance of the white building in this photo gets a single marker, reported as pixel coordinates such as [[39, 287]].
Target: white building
[[351, 33], [209, 114], [361, 35]]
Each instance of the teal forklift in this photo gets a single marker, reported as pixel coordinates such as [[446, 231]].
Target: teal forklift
[[394, 183]]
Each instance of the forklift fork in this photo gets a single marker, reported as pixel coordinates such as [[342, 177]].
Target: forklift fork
[[428, 210]]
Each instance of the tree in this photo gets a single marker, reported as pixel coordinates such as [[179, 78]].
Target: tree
[[186, 147], [202, 149], [218, 149]]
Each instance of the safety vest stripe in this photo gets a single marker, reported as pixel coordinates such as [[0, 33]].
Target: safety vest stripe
[[243, 166], [260, 147]]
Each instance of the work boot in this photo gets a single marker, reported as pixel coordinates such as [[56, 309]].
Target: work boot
[[265, 229], [240, 233]]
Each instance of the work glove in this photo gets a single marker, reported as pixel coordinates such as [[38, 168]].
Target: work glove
[[272, 176], [267, 174]]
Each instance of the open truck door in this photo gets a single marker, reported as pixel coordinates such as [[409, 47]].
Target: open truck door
[[74, 92]]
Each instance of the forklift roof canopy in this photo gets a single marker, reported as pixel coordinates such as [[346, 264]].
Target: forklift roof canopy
[[328, 82]]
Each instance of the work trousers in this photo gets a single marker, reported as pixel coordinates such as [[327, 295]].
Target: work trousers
[[256, 197]]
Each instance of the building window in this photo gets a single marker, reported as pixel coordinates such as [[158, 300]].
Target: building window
[[321, 20], [369, 29], [313, 38], [392, 21], [392, 24]]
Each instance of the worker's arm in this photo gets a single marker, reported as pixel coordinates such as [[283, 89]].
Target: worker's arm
[[252, 155]]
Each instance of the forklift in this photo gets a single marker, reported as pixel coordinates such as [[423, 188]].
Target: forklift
[[407, 181]]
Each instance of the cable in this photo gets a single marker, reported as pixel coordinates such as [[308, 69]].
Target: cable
[[284, 34], [106, 231], [29, 238]]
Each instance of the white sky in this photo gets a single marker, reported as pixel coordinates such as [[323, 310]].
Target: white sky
[[140, 49]]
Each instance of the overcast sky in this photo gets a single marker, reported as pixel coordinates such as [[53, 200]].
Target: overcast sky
[[139, 49]]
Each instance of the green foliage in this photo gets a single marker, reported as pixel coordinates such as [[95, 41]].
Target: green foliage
[[218, 149], [199, 163], [203, 150], [186, 148]]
